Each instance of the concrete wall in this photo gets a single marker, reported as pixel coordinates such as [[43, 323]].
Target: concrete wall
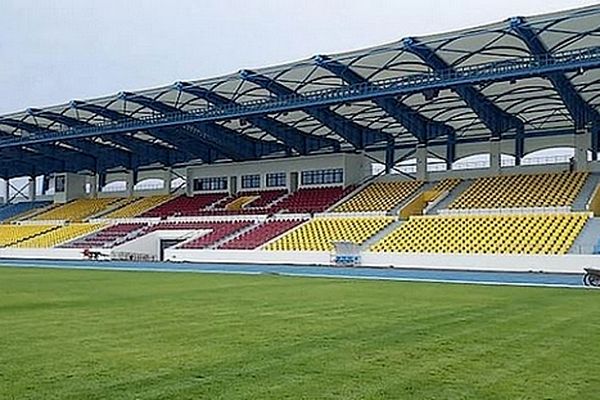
[[356, 168], [74, 187], [519, 263], [249, 256]]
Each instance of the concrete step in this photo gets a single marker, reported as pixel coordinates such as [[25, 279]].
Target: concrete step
[[587, 239], [580, 203], [450, 197], [423, 188], [380, 235], [234, 235]]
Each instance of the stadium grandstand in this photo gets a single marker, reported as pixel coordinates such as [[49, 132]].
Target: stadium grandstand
[[369, 148]]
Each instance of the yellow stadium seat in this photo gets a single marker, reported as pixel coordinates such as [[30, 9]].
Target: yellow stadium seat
[[380, 196], [522, 191], [13, 234], [78, 210], [59, 235], [138, 206], [486, 234], [320, 233]]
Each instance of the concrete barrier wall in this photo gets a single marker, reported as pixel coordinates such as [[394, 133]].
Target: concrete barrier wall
[[249, 256], [58, 254], [520, 263], [570, 263]]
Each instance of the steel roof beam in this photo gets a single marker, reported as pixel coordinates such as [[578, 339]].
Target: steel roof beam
[[300, 141], [109, 156], [52, 152], [421, 127], [149, 150], [495, 119], [219, 138], [357, 135], [581, 111]]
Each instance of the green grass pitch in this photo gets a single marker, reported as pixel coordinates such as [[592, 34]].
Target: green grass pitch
[[67, 334]]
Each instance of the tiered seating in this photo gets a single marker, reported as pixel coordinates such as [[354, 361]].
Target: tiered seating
[[108, 237], [239, 202], [320, 233], [261, 234], [515, 191], [78, 210], [265, 198], [185, 206], [493, 234], [10, 211], [311, 200], [12, 234], [218, 232], [445, 185], [60, 235], [138, 207], [380, 196], [257, 202]]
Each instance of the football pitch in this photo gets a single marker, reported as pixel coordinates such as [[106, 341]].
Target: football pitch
[[82, 334]]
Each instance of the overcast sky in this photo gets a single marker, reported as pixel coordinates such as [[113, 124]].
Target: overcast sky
[[52, 51]]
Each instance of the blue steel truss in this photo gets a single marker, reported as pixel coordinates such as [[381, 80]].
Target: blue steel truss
[[355, 134], [581, 112], [516, 79], [423, 128], [300, 141], [497, 120], [219, 138]]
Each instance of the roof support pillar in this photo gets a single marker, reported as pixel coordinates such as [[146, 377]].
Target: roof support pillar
[[93, 181], [421, 155], [390, 157], [595, 131], [519, 146], [450, 151], [581, 148], [32, 186], [495, 155], [6, 190], [101, 181], [130, 181], [45, 184]]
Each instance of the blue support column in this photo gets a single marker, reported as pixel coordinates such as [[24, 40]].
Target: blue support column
[[450, 151], [390, 156]]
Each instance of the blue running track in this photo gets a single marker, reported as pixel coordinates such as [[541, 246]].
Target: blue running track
[[413, 275]]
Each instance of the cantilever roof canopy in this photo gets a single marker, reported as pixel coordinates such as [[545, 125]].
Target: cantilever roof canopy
[[520, 77]]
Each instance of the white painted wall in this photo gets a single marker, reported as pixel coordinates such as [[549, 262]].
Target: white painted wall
[[249, 256], [519, 263], [150, 244]]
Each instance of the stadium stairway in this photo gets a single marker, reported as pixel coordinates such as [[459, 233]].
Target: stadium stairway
[[582, 199], [587, 239], [234, 235], [401, 205], [450, 197], [380, 235], [359, 187]]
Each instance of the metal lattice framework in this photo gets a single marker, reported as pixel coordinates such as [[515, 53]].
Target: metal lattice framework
[[523, 77]]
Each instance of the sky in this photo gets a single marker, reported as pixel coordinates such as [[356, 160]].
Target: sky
[[54, 51]]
